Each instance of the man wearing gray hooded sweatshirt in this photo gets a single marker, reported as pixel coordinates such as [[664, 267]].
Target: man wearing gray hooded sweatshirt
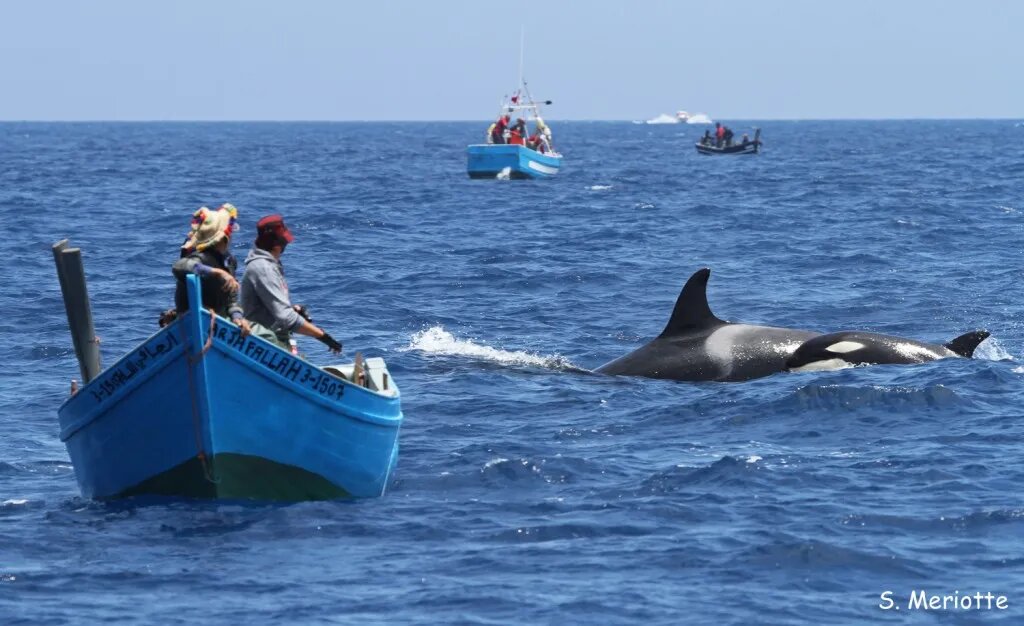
[[265, 301]]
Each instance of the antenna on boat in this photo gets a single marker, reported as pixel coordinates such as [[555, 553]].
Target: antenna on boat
[[522, 37]]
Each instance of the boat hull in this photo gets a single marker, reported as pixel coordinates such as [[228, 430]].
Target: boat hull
[[492, 160], [245, 419], [751, 148]]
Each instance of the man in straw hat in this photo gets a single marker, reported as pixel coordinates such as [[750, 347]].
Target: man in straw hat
[[265, 292], [206, 253]]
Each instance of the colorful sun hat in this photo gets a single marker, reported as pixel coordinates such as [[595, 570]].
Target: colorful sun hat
[[209, 226]]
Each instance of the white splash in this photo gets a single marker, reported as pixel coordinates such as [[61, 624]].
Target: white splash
[[664, 118], [915, 352], [436, 340], [504, 174], [992, 350], [13, 502], [753, 458], [599, 187], [679, 118], [785, 349]]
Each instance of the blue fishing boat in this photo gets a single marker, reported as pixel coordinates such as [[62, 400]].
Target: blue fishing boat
[[510, 161], [511, 151], [198, 410]]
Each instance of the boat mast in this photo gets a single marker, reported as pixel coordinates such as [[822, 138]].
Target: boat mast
[[522, 37], [525, 97]]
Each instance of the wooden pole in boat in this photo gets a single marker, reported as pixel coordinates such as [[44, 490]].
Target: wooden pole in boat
[[358, 374], [57, 248], [71, 275]]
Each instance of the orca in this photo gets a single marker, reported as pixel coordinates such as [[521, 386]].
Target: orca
[[697, 346], [849, 348]]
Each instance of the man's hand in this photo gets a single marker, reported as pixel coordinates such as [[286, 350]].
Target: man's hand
[[244, 325], [332, 344], [230, 284]]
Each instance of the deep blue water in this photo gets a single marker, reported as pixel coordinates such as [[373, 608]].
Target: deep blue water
[[526, 491]]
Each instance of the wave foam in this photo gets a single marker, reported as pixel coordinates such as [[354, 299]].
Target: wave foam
[[664, 118], [992, 350], [436, 340]]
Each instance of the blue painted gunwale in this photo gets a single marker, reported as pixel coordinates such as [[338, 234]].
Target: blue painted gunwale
[[488, 160], [137, 419]]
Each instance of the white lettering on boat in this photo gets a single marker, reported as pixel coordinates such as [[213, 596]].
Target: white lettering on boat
[[280, 362], [139, 360]]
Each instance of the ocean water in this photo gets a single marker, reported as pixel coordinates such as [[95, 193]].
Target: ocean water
[[529, 490]]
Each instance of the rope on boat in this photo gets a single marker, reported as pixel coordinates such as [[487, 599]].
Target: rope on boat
[[209, 339], [196, 423]]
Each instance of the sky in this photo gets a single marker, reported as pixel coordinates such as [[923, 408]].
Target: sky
[[454, 59]]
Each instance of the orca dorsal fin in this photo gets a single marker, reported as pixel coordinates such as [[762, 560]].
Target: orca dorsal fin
[[692, 310], [965, 344]]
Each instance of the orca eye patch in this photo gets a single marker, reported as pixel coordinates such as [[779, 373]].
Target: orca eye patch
[[843, 347]]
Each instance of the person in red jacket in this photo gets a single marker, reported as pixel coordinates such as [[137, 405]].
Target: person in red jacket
[[498, 129], [719, 134], [517, 134]]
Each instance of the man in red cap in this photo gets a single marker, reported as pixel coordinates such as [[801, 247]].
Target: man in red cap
[[265, 300]]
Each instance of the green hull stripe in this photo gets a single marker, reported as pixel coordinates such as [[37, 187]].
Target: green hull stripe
[[239, 476]]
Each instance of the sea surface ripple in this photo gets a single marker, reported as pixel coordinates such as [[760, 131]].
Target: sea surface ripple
[[528, 489]]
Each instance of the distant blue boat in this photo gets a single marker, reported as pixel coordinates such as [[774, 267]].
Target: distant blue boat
[[509, 151], [197, 410], [511, 161]]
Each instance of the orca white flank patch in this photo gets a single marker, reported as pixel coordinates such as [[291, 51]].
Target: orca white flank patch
[[736, 342], [827, 365], [842, 347], [721, 344]]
